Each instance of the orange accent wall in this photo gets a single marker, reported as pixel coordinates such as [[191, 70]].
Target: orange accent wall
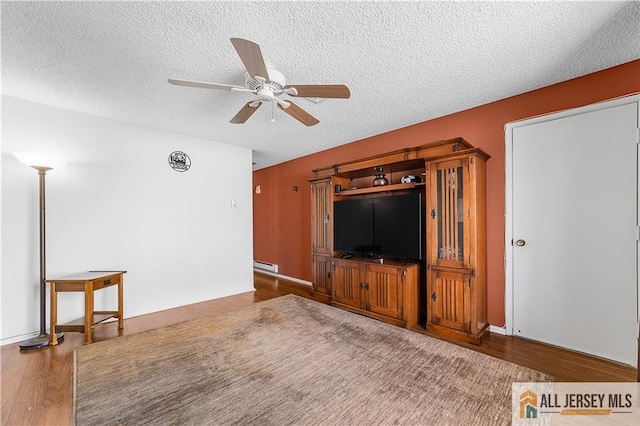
[[281, 216]]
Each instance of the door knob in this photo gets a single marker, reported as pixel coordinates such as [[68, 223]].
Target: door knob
[[521, 243]]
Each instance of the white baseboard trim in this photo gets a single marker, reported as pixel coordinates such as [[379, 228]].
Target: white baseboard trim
[[284, 277], [20, 338], [497, 330]]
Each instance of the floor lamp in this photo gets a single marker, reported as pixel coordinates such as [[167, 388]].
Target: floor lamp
[[42, 164]]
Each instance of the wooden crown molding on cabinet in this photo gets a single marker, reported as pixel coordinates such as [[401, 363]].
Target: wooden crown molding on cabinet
[[424, 152]]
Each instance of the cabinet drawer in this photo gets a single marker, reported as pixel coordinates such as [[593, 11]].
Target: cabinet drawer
[[106, 282]]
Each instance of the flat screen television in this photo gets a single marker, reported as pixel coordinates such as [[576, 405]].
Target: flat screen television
[[389, 226]]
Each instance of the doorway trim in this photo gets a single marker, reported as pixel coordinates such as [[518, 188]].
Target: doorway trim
[[508, 246]]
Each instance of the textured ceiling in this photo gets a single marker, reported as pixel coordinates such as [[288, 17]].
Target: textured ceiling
[[405, 62]]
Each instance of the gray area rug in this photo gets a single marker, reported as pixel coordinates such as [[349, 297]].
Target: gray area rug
[[290, 361]]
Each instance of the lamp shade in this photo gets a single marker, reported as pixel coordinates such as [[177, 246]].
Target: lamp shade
[[38, 159]]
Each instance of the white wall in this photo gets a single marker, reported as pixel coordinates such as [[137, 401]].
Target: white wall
[[117, 204]]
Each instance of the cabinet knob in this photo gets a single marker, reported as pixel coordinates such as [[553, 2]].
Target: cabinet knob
[[521, 243], [434, 297]]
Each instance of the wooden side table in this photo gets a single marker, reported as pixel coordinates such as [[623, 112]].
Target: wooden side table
[[87, 282]]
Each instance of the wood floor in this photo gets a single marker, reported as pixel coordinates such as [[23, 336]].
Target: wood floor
[[36, 386]]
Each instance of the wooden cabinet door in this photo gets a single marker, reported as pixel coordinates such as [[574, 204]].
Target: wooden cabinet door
[[450, 300], [448, 211], [383, 286], [321, 216], [321, 274], [348, 284]]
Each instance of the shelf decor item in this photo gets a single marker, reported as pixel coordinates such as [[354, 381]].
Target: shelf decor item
[[42, 164], [380, 178], [410, 179]]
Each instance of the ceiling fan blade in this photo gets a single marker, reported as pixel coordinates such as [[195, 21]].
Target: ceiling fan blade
[[246, 112], [299, 114], [251, 57], [204, 85], [318, 90]]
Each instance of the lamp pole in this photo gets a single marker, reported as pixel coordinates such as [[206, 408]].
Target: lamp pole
[[43, 339]]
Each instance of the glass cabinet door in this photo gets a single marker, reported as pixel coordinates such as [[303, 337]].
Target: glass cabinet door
[[448, 214]]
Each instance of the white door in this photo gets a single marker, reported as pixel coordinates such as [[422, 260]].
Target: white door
[[572, 219]]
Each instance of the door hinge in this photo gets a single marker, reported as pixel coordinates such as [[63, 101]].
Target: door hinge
[[638, 136], [637, 233]]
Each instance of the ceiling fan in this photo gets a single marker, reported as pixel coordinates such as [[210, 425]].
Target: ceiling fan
[[269, 84]]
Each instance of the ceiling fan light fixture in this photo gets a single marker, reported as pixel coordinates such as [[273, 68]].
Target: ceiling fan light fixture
[[265, 94]]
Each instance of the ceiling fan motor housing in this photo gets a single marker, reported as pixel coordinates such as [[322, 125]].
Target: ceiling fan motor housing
[[275, 83]]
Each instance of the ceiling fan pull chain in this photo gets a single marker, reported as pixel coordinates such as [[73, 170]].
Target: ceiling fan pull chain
[[273, 108]]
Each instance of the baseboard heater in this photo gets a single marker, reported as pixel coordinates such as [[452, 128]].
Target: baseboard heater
[[265, 266]]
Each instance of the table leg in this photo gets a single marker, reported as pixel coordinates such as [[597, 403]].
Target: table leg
[[88, 311], [120, 300], [53, 319]]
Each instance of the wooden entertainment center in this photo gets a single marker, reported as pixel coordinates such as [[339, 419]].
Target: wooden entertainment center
[[453, 289]]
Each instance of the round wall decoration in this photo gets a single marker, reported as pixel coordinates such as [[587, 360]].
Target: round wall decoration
[[179, 161]]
